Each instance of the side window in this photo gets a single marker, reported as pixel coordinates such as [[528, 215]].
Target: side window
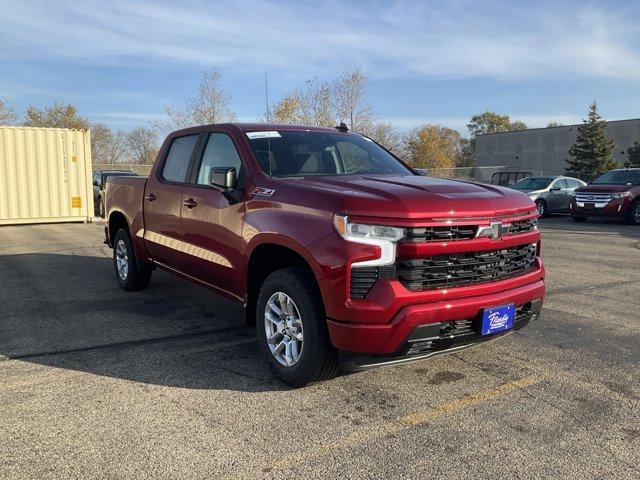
[[177, 162], [219, 152], [563, 183]]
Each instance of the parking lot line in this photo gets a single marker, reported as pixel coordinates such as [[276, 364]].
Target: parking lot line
[[411, 420]]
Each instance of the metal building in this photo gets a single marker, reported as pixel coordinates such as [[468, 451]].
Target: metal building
[[45, 175], [543, 151]]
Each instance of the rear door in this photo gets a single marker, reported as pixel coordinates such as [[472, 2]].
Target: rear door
[[564, 194], [211, 220], [162, 203]]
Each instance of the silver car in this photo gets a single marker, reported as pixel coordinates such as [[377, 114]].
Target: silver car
[[551, 194]]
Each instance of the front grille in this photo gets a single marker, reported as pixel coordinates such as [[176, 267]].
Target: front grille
[[459, 269], [462, 232], [522, 226], [585, 197], [434, 234]]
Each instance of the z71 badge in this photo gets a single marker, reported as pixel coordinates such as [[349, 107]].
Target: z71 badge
[[267, 192]]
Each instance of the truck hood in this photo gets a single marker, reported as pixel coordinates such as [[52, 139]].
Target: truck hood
[[418, 197], [603, 188]]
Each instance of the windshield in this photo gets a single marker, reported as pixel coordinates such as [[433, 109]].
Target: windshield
[[287, 153], [532, 183], [620, 177]]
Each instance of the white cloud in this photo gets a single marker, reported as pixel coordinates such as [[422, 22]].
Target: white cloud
[[449, 39]]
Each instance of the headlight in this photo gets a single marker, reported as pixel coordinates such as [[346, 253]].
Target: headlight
[[379, 235], [533, 196], [620, 194]]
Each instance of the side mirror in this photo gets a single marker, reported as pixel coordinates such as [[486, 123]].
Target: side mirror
[[96, 183], [224, 178]]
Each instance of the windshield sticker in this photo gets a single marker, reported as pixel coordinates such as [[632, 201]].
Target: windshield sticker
[[270, 134]]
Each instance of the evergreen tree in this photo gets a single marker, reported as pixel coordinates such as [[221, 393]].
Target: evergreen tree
[[591, 152], [634, 155]]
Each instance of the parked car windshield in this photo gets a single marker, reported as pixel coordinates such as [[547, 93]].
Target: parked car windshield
[[287, 153], [620, 177], [115, 174], [532, 183]]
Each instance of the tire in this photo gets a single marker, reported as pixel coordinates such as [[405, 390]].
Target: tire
[[579, 219], [541, 205], [130, 275], [633, 218], [305, 329]]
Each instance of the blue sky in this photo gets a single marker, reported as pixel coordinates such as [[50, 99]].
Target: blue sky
[[121, 62]]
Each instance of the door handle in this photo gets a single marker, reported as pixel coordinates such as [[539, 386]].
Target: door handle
[[151, 197], [190, 203]]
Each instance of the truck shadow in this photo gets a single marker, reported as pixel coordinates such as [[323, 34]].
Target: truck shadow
[[67, 311]]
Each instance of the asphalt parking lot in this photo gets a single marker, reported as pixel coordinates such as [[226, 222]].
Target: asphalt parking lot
[[168, 383]]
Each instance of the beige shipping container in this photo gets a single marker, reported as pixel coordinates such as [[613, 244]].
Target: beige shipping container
[[45, 175]]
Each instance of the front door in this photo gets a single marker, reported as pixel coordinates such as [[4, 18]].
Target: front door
[[162, 204], [211, 222]]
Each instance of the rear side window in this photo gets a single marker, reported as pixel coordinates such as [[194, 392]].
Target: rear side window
[[177, 162], [219, 152]]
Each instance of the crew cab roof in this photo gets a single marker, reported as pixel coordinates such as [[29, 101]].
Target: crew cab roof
[[252, 127]]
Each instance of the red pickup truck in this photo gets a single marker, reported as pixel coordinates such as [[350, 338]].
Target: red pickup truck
[[342, 255]]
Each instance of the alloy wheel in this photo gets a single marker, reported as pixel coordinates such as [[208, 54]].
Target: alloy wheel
[[283, 327], [541, 208], [122, 260]]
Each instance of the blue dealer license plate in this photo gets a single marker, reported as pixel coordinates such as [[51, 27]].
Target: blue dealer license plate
[[498, 319]]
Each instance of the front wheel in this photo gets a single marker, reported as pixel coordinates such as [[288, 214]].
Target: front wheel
[[541, 206], [292, 330], [634, 214], [130, 275]]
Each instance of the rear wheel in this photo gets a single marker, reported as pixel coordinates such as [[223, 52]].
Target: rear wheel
[[634, 214], [579, 219], [541, 206], [131, 274], [292, 330]]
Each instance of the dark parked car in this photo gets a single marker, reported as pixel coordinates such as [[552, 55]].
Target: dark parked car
[[99, 182], [551, 194], [616, 194]]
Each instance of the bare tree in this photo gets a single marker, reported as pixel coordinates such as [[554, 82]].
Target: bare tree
[[312, 106], [351, 106], [387, 136], [107, 146], [142, 145], [7, 114], [210, 105]]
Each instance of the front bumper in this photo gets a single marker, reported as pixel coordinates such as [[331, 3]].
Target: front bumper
[[614, 208], [436, 339], [391, 339]]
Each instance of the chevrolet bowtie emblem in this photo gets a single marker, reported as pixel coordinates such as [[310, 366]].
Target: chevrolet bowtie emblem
[[495, 230]]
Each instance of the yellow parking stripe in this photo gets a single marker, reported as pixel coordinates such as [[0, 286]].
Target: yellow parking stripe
[[411, 420]]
